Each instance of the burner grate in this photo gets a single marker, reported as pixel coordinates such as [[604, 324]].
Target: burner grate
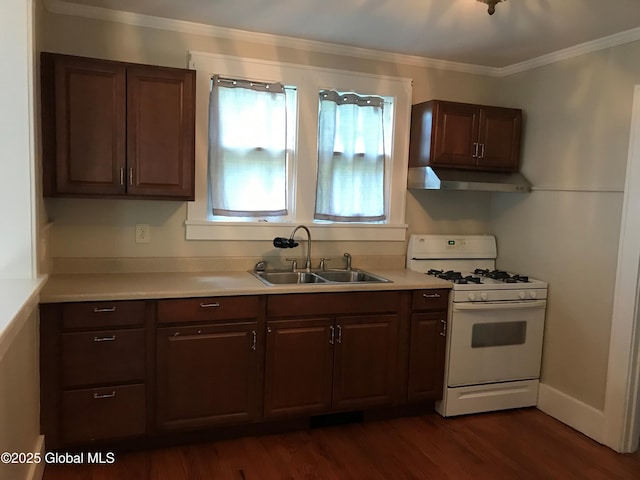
[[501, 275]]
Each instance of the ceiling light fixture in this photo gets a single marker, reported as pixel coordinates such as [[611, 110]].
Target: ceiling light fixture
[[492, 5]]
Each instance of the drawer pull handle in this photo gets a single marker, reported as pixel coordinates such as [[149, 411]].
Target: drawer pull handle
[[254, 340], [104, 339], [431, 295], [98, 396], [104, 310], [209, 305]]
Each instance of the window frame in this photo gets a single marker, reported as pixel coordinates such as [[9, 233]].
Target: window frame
[[309, 81]]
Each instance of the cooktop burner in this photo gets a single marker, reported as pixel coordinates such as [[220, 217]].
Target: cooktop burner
[[455, 277], [501, 275]]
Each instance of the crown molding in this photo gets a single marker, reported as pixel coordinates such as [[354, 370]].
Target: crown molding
[[603, 43], [63, 7], [97, 13]]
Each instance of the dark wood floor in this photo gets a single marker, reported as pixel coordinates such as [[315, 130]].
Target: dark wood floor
[[519, 444]]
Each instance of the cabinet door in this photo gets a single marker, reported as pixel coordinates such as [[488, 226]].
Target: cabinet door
[[160, 131], [365, 361], [426, 356], [207, 375], [89, 126], [299, 364], [499, 138], [455, 134]]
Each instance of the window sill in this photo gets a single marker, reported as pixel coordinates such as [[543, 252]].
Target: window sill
[[200, 230]]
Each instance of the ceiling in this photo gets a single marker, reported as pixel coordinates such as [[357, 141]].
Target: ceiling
[[452, 30]]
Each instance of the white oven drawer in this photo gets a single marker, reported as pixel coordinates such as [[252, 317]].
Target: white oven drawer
[[494, 342], [488, 398]]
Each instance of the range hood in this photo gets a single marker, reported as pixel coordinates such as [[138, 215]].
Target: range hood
[[435, 178]]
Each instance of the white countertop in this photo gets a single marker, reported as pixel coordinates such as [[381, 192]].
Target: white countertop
[[132, 286]]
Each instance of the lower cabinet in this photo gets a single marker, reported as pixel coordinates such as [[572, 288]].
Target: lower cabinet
[[320, 365], [365, 361], [127, 370], [209, 362], [298, 367], [207, 375], [93, 372], [331, 363], [426, 359], [427, 345]]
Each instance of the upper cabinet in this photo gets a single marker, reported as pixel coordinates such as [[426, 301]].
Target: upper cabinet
[[465, 136], [112, 129]]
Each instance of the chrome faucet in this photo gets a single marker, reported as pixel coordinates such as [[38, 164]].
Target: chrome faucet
[[307, 263], [348, 257]]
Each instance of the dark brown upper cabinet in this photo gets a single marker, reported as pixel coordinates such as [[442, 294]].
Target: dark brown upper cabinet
[[112, 129], [465, 136]]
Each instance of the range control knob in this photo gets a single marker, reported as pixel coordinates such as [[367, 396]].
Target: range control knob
[[471, 296], [483, 295], [533, 294], [522, 295]]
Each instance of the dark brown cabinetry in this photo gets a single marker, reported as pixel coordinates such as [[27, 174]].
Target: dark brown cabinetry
[[117, 129], [318, 359], [124, 370], [465, 136], [427, 345], [209, 372], [93, 371]]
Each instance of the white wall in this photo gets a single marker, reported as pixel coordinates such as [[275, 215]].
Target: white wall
[[20, 399], [16, 128], [578, 115], [105, 228]]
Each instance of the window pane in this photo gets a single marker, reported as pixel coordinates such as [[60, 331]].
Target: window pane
[[351, 158], [248, 149]]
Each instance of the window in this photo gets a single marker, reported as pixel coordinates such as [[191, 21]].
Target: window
[[250, 138], [242, 182], [351, 158]]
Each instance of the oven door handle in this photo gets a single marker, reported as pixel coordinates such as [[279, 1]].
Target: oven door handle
[[505, 305]]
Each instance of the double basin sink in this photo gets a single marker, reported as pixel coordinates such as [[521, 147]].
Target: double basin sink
[[319, 277]]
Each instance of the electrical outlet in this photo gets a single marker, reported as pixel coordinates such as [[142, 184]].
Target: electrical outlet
[[143, 234]]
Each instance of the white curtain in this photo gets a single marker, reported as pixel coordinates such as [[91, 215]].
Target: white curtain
[[351, 158], [247, 148]]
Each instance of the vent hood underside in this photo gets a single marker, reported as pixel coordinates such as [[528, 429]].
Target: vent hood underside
[[430, 178]]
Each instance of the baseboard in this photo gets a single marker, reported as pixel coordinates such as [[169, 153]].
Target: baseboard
[[573, 412], [36, 472]]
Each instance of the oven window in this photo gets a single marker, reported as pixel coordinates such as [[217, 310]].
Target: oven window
[[498, 334]]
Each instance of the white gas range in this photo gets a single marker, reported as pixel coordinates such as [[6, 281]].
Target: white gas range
[[495, 324]]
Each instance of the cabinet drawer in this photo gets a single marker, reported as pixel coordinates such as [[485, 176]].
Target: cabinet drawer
[[207, 309], [103, 413], [102, 314], [101, 357], [333, 303], [430, 299]]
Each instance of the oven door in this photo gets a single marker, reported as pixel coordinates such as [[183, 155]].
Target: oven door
[[495, 341]]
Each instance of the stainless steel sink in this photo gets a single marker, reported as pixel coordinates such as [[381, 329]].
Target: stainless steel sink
[[351, 276], [319, 277], [288, 278]]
